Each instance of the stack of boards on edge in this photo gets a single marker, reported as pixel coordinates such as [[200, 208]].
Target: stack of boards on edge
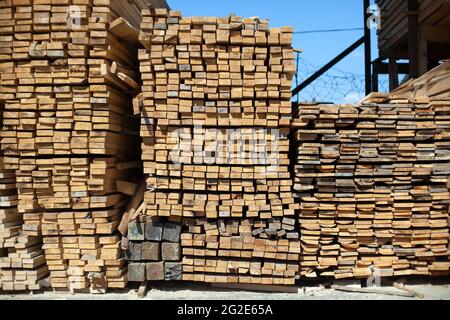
[[215, 116], [373, 185], [67, 79]]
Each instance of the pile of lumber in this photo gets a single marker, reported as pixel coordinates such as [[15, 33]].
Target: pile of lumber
[[22, 261], [69, 70], [215, 115], [373, 185], [432, 86], [77, 263], [154, 251], [24, 267], [10, 220], [251, 251]]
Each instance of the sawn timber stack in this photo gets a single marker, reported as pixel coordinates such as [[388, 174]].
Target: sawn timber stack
[[215, 115], [67, 81]]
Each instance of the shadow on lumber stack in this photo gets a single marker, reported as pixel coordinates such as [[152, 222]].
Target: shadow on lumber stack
[[69, 70]]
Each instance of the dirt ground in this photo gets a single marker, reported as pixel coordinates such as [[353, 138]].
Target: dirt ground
[[434, 290]]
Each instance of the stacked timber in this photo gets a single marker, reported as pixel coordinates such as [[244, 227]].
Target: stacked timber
[[432, 86], [373, 185], [154, 251], [68, 75], [215, 115], [250, 251], [22, 261], [77, 263], [10, 219], [23, 267]]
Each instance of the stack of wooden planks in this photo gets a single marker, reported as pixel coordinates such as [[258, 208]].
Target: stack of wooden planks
[[432, 19], [69, 70], [432, 86], [373, 185], [215, 115], [23, 267], [10, 220], [154, 251], [22, 261]]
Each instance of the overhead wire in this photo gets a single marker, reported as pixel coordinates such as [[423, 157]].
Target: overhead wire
[[328, 30]]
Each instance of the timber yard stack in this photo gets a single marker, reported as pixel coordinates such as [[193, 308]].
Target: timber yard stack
[[215, 116], [21, 261], [372, 180], [69, 134], [215, 200]]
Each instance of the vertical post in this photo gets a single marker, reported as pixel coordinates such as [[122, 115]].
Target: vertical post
[[393, 74], [375, 77], [296, 71], [413, 34], [422, 51], [367, 48]]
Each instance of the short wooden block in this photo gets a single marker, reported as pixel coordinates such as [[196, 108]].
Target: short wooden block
[[154, 231], [150, 251], [136, 231], [136, 272], [170, 251], [173, 271], [155, 271], [171, 232]]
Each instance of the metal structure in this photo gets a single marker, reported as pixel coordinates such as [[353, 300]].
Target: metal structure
[[417, 31], [367, 57]]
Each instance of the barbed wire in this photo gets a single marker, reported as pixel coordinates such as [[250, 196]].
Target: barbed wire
[[336, 85]]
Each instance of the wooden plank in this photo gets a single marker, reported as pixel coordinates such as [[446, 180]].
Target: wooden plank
[[124, 30], [143, 289], [256, 288]]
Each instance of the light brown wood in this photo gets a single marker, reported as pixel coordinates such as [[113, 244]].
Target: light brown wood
[[215, 101], [370, 179], [70, 140]]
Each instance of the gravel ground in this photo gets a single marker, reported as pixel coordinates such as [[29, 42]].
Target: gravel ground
[[436, 290]]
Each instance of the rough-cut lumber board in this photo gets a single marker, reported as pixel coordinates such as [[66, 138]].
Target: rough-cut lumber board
[[374, 291], [224, 74], [124, 30], [132, 207], [65, 127], [256, 287]]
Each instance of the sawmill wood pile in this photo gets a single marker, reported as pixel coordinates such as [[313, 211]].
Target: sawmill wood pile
[[154, 251], [22, 261], [69, 70], [10, 219], [215, 115], [373, 185], [432, 86]]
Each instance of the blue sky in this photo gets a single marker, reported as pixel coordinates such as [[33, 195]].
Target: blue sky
[[318, 48]]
